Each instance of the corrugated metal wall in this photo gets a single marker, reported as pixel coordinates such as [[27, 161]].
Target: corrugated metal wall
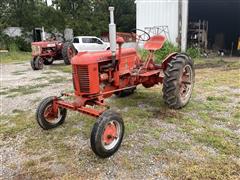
[[151, 13]]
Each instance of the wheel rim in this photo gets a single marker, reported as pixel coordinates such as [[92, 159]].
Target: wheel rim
[[39, 62], [50, 117], [186, 83], [111, 135]]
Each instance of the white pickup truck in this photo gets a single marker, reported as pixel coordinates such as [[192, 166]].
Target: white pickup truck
[[89, 43]]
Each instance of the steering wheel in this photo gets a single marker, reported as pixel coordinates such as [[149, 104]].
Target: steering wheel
[[144, 36]]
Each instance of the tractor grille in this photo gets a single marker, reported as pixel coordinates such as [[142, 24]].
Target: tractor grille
[[83, 76]]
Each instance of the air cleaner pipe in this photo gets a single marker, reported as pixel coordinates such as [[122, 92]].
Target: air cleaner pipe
[[112, 35]]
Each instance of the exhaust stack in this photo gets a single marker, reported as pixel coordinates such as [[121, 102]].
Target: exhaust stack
[[43, 34], [112, 35]]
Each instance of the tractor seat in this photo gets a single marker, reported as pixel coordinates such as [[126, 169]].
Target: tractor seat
[[155, 43]]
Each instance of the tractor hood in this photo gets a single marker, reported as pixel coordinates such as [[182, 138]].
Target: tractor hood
[[85, 58], [46, 43]]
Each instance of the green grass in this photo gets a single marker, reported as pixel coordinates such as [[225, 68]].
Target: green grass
[[14, 57], [23, 90], [214, 168], [13, 125], [199, 141], [232, 63], [61, 67], [54, 80]]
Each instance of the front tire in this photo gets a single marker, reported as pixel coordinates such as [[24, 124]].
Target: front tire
[[33, 64], [45, 117], [37, 63], [178, 81], [107, 134]]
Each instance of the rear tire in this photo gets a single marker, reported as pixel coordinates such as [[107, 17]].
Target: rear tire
[[178, 81], [107, 134], [48, 61], [68, 52], [44, 117]]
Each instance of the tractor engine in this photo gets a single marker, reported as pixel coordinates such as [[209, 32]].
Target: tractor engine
[[105, 71], [85, 74], [98, 75], [93, 72]]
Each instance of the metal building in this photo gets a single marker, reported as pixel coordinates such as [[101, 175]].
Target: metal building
[[167, 17], [180, 20], [158, 15]]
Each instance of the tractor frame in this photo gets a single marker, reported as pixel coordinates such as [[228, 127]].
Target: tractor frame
[[99, 75]]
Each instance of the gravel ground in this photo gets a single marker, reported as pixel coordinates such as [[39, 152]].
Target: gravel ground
[[18, 75], [160, 147]]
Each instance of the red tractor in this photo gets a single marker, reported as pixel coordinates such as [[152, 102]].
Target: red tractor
[[45, 52], [99, 75]]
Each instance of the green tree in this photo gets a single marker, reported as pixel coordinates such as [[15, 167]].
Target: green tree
[[85, 17]]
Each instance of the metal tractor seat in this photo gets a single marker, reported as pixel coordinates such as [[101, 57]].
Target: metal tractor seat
[[155, 43]]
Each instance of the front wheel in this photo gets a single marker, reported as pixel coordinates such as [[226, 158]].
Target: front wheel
[[45, 116], [37, 63], [107, 134], [178, 81]]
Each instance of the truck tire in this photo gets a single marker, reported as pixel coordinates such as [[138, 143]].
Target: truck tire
[[178, 81], [107, 134], [68, 51], [44, 117]]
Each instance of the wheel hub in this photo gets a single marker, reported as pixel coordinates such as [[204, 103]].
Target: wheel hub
[[70, 53], [50, 116], [109, 134], [186, 82]]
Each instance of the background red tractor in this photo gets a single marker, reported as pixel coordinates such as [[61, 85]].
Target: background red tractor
[[45, 52], [98, 75]]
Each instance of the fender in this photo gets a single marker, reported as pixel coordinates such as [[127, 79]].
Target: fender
[[172, 56], [167, 60]]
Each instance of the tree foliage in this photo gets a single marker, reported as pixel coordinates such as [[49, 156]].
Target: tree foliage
[[85, 17]]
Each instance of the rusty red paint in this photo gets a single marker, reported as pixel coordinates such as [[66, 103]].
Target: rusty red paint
[[109, 134], [95, 79]]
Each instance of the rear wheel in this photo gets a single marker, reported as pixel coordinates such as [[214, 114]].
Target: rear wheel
[[107, 134], [178, 82], [45, 116], [48, 61], [68, 52]]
